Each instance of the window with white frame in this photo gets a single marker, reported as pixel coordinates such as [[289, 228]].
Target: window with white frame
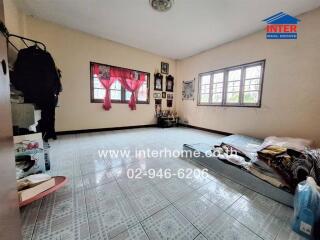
[[233, 86]]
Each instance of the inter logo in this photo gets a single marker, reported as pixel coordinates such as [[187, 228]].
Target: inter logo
[[281, 26]]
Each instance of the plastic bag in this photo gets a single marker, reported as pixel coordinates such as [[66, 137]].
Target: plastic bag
[[307, 210]]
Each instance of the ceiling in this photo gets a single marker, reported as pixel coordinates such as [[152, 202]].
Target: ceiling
[[190, 27]]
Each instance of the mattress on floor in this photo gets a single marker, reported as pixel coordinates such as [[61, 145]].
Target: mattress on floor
[[250, 146], [241, 141], [258, 180]]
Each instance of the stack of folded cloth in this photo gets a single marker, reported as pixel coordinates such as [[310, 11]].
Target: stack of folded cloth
[[294, 164], [33, 185]]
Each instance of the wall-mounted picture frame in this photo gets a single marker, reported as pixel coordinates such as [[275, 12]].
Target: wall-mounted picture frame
[[170, 96], [169, 103], [158, 82], [157, 95], [164, 95], [164, 68], [157, 106], [188, 90], [169, 83]]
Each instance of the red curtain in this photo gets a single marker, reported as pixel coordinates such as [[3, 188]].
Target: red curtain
[[132, 84], [103, 74], [130, 80]]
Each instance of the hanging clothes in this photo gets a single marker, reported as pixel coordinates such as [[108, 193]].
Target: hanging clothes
[[36, 75]]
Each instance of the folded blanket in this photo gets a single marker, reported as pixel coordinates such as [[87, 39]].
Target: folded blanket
[[294, 166], [247, 159], [273, 179], [272, 151]]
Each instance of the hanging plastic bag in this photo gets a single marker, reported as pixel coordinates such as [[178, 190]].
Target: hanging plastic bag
[[306, 219]]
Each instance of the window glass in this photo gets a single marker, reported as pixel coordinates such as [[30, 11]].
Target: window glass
[[99, 91], [143, 92], [240, 86], [233, 91], [253, 72], [252, 85], [115, 91], [217, 87], [205, 88]]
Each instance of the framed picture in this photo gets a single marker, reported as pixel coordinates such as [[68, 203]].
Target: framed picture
[[157, 95], [164, 95], [169, 103], [164, 68], [188, 90], [158, 82], [170, 96], [157, 105], [169, 83]]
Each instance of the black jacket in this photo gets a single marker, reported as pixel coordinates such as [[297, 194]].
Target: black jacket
[[35, 74]]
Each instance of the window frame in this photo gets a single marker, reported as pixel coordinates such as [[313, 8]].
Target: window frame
[[225, 85], [123, 91]]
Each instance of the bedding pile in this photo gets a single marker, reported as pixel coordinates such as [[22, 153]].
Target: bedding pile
[[283, 162], [293, 166]]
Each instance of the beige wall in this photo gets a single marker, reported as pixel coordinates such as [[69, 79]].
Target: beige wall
[[291, 91], [72, 51], [14, 17], [15, 23]]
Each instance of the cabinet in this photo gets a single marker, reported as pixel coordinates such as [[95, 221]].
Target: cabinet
[[25, 115]]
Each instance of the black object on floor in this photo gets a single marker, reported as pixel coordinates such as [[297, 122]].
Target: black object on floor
[[46, 148]]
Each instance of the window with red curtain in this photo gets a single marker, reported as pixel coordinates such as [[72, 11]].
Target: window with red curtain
[[118, 93]]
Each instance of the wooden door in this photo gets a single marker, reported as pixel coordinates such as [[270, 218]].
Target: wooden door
[[9, 212]]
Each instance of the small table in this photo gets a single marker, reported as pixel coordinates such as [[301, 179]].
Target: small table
[[165, 122]]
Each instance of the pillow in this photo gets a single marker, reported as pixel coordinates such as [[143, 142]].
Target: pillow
[[298, 144]]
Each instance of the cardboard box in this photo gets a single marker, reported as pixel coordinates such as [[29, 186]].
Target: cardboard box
[[30, 145]]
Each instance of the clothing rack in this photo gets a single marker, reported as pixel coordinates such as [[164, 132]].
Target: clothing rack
[[25, 40]]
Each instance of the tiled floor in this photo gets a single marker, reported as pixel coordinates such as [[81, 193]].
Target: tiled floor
[[100, 202]]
